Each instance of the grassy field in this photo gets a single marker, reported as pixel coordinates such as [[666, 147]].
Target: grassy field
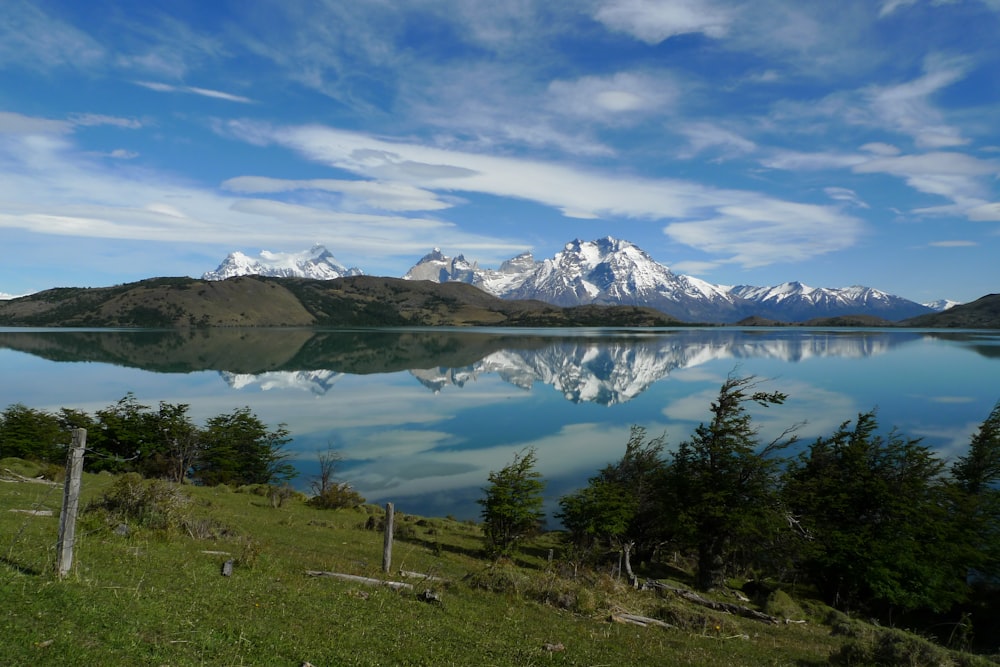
[[142, 595]]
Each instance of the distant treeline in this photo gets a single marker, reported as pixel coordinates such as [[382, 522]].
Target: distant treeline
[[235, 448]]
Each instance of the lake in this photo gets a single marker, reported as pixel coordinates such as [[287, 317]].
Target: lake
[[422, 416]]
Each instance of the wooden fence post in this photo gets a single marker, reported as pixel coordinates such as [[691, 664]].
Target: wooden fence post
[[71, 502], [390, 515]]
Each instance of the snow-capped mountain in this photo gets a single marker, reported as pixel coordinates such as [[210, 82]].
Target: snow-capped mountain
[[613, 271], [605, 271], [942, 305], [794, 301], [317, 262]]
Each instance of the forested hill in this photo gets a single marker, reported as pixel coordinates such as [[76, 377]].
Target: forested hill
[[357, 301], [983, 313]]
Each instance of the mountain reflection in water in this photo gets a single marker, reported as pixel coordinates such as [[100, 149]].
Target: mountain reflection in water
[[422, 416]]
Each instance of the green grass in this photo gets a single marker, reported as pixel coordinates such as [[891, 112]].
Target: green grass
[[155, 597]]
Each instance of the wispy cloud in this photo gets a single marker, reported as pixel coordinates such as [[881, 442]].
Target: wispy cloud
[[654, 22], [751, 228], [32, 39], [372, 194], [204, 92]]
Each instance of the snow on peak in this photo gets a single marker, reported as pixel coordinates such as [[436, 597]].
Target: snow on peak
[[317, 262]]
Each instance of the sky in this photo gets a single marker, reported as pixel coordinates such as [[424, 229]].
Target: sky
[[840, 143]]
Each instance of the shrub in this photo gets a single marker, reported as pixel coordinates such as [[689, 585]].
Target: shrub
[[336, 496], [154, 504]]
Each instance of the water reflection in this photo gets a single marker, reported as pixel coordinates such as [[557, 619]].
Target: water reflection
[[422, 416], [594, 366]]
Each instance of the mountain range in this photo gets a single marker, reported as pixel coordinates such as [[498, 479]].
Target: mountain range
[[317, 262], [609, 271]]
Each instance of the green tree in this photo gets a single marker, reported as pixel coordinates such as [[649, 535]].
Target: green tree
[[722, 483], [180, 442], [125, 433], [976, 476], [619, 507], [238, 449], [879, 518], [512, 506], [28, 433]]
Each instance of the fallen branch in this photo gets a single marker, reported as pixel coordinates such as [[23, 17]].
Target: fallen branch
[[14, 477], [728, 607], [643, 621], [368, 581], [406, 574], [35, 512]]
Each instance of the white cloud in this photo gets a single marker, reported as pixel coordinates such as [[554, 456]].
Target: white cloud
[[952, 244], [906, 107], [956, 176], [755, 229], [768, 231], [93, 119], [845, 194], [380, 195], [985, 212], [654, 21], [204, 92], [15, 123], [797, 160], [704, 136], [32, 39], [879, 148], [606, 97], [47, 186]]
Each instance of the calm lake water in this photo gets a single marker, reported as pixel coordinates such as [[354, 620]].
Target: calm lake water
[[422, 416]]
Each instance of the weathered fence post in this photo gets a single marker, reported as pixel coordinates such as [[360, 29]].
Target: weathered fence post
[[390, 515], [71, 502]]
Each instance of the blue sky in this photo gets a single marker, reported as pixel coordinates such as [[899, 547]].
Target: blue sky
[[835, 143]]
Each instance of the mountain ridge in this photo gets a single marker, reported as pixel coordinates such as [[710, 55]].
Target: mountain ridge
[[615, 271]]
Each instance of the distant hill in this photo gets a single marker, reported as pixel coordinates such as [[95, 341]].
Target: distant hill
[[355, 301], [983, 313]]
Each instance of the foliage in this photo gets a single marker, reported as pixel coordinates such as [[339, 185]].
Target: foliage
[[877, 513], [721, 483], [29, 433], [512, 506], [336, 496], [235, 448], [620, 506], [240, 449], [328, 493], [154, 504]]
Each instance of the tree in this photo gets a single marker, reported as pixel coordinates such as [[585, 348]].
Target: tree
[[512, 506], [721, 483], [880, 520], [32, 434], [125, 433], [328, 492], [618, 507], [976, 476], [238, 449], [179, 439]]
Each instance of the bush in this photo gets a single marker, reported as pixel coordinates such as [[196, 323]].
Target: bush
[[336, 496], [883, 647], [155, 504]]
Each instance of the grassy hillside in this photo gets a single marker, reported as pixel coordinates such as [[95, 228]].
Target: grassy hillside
[[360, 301], [147, 588]]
